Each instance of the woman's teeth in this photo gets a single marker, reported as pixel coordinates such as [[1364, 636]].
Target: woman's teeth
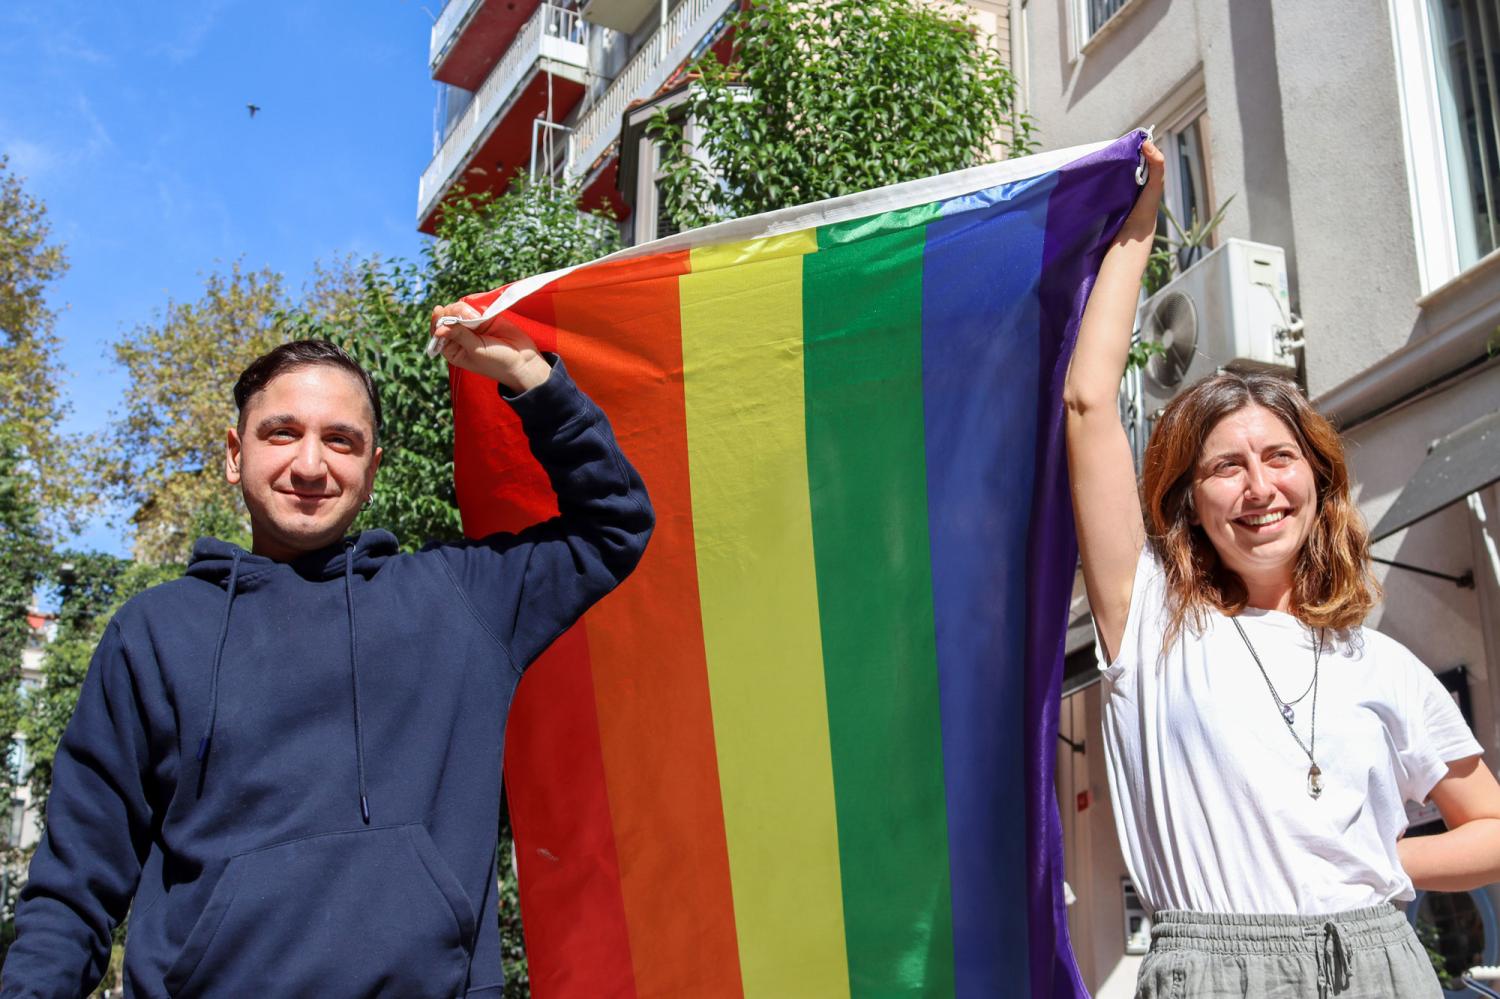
[[1262, 519]]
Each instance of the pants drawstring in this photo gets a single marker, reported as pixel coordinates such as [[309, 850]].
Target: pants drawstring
[[1332, 959]]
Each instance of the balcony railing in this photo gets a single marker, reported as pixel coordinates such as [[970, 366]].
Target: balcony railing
[[445, 28], [551, 34], [646, 71]]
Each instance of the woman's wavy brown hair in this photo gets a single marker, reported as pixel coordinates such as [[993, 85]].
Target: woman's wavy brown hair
[[1332, 584]]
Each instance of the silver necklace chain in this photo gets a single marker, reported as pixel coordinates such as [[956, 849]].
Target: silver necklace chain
[[1314, 773]]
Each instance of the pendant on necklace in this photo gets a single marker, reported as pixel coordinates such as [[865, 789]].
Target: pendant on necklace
[[1288, 714], [1314, 781]]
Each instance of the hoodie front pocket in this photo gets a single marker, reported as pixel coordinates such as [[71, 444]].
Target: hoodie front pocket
[[374, 912]]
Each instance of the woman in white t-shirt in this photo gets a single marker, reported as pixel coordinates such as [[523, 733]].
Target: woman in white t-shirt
[[1261, 743]]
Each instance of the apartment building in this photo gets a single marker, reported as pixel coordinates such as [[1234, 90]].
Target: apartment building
[[544, 88], [1360, 138]]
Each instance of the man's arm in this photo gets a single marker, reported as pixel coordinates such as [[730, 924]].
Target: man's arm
[[529, 587], [86, 868]]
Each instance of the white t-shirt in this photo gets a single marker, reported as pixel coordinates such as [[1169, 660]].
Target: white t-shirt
[[1210, 789]]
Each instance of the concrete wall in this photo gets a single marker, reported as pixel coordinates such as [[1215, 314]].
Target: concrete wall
[[1356, 252], [1305, 135]]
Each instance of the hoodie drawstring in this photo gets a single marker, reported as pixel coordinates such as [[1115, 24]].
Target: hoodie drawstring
[[359, 738], [213, 683]]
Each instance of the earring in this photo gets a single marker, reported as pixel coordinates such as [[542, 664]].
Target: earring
[[368, 500]]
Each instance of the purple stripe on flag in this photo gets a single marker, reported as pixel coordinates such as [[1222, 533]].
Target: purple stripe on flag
[[1092, 197]]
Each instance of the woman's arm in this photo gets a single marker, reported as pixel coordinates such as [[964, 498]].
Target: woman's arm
[[1106, 504], [1468, 854]]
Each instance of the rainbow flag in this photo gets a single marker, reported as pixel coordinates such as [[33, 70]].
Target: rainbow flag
[[807, 748]]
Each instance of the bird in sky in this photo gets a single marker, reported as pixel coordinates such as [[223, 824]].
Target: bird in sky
[[253, 108]]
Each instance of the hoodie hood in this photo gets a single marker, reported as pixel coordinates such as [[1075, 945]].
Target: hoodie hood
[[213, 560]]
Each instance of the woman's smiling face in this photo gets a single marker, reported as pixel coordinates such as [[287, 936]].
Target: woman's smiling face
[[1254, 493]]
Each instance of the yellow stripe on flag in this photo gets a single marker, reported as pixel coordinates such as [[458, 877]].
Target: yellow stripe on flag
[[747, 459]]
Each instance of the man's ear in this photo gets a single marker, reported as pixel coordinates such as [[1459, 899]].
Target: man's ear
[[232, 457]]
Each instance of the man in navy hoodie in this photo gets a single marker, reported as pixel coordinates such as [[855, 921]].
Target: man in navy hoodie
[[290, 757]]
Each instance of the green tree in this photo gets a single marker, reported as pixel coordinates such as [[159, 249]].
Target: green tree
[[381, 313], [163, 455], [90, 586], [23, 559], [830, 97], [43, 458], [39, 480]]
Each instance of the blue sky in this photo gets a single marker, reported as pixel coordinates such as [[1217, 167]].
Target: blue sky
[[130, 121]]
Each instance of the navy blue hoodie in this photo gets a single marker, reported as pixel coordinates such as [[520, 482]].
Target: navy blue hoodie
[[294, 768]]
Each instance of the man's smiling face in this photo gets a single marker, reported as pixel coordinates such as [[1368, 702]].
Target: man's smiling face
[[304, 457]]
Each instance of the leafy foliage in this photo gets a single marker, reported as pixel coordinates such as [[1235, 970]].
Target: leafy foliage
[[91, 587], [163, 456], [1175, 248], [830, 97], [23, 560], [42, 463], [381, 312], [39, 476]]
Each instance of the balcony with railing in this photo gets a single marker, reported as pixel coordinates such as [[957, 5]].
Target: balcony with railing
[[542, 74], [685, 30], [470, 36]]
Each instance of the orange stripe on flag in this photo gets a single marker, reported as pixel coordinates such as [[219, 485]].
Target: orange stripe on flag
[[646, 642]]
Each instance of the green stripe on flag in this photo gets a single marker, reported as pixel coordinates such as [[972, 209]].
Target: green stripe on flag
[[862, 315]]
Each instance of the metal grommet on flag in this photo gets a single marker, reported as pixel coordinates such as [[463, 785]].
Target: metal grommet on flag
[[1140, 163]]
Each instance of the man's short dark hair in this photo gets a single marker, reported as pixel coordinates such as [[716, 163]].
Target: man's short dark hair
[[300, 354]]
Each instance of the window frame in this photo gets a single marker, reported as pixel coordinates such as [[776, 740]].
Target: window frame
[[1434, 227], [1186, 107], [1080, 39]]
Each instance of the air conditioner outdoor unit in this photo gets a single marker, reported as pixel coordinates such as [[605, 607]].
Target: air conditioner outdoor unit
[[1228, 310]]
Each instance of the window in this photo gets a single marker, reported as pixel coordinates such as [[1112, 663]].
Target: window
[[29, 686], [1097, 13], [1182, 134], [665, 224], [1448, 59], [17, 823], [17, 760], [1188, 186], [1466, 47], [1089, 17], [452, 102]]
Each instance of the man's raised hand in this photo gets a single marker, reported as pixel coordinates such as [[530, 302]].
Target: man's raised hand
[[499, 349]]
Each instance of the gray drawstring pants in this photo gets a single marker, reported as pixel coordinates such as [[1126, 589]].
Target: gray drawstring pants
[[1361, 954]]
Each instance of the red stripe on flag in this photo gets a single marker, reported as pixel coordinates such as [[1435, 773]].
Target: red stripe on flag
[[577, 943]]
